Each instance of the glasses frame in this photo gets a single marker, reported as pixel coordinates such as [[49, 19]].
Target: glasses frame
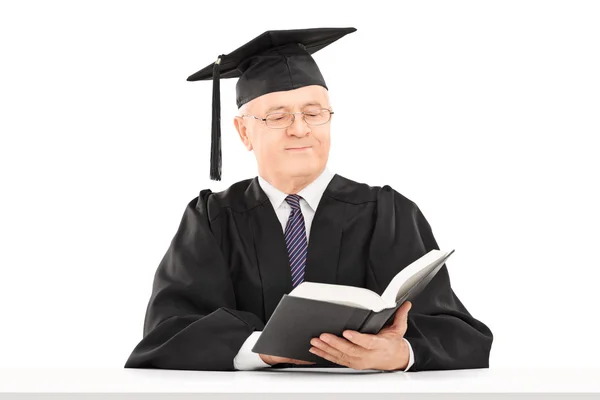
[[293, 118]]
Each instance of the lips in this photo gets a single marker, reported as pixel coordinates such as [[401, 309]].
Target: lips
[[298, 148]]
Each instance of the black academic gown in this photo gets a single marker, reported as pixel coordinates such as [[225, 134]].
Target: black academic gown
[[227, 268]]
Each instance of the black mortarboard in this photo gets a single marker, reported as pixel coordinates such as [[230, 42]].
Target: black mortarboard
[[271, 62]]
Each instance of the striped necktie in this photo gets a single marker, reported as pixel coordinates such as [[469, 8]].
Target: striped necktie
[[295, 239]]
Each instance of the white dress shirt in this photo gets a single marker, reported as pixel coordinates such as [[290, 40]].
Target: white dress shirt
[[310, 198]]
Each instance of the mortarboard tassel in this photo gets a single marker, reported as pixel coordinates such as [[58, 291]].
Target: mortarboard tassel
[[215, 146]]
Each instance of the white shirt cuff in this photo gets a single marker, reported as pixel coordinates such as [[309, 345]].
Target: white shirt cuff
[[245, 358], [411, 359]]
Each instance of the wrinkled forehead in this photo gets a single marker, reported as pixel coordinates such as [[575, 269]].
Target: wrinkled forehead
[[290, 100]]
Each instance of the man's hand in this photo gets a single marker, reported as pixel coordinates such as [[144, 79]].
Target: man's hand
[[271, 360], [385, 351]]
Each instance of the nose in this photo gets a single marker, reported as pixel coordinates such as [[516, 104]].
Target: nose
[[299, 127]]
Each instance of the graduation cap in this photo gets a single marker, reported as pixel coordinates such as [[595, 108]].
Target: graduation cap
[[271, 62]]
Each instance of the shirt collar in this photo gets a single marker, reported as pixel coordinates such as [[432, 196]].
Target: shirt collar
[[312, 193]]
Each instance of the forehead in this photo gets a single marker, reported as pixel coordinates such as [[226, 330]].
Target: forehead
[[289, 99]]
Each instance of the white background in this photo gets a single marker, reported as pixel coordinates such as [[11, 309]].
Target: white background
[[486, 114]]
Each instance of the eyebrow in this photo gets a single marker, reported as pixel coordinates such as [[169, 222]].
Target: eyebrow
[[310, 103]]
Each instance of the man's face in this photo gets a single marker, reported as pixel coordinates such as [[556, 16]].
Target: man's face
[[298, 150]]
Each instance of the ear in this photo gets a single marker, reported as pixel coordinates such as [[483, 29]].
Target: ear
[[242, 129]]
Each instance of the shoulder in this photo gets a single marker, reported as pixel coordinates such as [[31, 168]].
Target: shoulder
[[350, 191], [234, 197]]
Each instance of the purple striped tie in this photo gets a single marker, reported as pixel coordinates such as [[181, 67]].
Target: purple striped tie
[[295, 239]]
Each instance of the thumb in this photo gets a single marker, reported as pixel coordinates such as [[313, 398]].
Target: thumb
[[401, 318]]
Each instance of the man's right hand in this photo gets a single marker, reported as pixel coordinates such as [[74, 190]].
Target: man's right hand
[[271, 360]]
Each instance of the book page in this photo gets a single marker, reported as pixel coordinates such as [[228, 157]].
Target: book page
[[409, 276], [339, 294]]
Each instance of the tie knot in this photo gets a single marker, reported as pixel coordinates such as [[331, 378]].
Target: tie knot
[[294, 201]]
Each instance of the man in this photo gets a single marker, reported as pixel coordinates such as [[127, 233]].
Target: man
[[237, 252]]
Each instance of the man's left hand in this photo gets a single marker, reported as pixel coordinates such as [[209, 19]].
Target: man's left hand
[[386, 350]]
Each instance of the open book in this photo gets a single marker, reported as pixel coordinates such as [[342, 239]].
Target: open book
[[314, 308], [399, 287]]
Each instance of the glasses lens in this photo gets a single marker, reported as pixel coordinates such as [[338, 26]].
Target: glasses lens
[[317, 117], [279, 120]]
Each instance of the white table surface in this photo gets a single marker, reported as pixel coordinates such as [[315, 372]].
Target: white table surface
[[298, 380]]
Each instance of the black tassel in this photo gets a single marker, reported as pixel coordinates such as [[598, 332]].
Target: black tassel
[[215, 146]]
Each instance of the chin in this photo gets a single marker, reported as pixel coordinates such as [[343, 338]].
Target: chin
[[302, 169]]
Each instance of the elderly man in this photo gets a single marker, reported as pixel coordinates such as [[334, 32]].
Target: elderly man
[[237, 252]]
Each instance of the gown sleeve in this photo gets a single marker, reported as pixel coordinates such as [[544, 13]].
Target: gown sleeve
[[191, 319], [442, 333]]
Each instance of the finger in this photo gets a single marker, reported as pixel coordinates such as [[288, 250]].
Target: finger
[[329, 357], [294, 361], [342, 345], [401, 317], [364, 340], [287, 360], [321, 345]]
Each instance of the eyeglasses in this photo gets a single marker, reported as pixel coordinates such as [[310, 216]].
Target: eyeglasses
[[281, 120]]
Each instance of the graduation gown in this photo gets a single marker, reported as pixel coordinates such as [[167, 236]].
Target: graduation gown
[[227, 268]]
